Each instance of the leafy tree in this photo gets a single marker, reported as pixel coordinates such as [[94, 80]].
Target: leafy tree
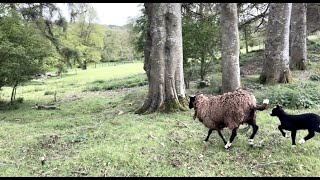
[[201, 40], [88, 49], [22, 51], [138, 27], [117, 45], [201, 43], [87, 37]]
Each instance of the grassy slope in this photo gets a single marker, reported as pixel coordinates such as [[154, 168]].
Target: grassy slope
[[101, 136]]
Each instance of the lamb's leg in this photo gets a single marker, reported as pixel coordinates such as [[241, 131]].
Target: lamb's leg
[[220, 134], [281, 130], [309, 136], [233, 135], [293, 137], [254, 132], [209, 133]]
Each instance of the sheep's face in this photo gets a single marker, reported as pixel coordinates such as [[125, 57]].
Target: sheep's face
[[192, 102], [276, 111]]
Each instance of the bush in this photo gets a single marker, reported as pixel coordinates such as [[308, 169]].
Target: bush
[[94, 88], [48, 93], [19, 100], [99, 81], [292, 95]]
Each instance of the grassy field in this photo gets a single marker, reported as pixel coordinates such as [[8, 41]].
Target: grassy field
[[96, 133]]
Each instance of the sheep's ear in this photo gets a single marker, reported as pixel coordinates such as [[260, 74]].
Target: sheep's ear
[[279, 106]]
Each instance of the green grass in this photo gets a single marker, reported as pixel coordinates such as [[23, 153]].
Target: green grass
[[127, 82], [99, 135], [250, 49], [313, 38]]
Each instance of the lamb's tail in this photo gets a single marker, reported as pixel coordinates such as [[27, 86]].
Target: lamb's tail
[[263, 106]]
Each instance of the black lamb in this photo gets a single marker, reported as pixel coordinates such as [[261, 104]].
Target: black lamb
[[308, 121]]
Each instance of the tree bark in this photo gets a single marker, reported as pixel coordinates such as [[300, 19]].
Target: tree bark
[[276, 61], [298, 36], [13, 93], [230, 47], [202, 68], [163, 59]]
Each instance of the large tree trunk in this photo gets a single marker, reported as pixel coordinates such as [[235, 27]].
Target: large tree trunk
[[163, 59], [313, 17], [298, 36], [230, 47], [276, 61]]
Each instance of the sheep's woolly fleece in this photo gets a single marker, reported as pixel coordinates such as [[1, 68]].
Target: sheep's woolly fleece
[[227, 110]]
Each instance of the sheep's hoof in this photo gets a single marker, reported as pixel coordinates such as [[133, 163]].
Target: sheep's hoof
[[228, 145], [301, 141], [293, 146], [251, 142]]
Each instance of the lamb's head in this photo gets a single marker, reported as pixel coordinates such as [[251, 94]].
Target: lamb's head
[[277, 111], [192, 101]]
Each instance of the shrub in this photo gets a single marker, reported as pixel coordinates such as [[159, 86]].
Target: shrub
[[292, 95], [99, 81], [19, 100], [94, 88], [48, 93]]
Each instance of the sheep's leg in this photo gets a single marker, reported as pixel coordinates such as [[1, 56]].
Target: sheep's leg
[[220, 134], [233, 135], [309, 136], [209, 133], [254, 132], [281, 130], [293, 137]]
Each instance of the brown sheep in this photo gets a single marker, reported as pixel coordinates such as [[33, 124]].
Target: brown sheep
[[227, 110]]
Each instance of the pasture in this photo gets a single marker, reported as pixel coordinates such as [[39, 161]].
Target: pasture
[[96, 133]]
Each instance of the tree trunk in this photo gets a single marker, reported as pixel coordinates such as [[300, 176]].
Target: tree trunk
[[163, 59], [13, 93], [11, 100], [298, 36], [276, 61], [230, 47], [202, 68], [84, 65]]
